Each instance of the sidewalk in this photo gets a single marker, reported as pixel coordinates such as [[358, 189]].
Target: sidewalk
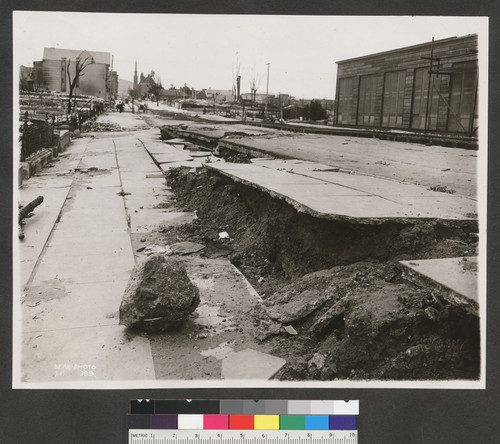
[[111, 196], [69, 310]]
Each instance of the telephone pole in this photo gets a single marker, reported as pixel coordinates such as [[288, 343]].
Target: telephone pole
[[267, 87]]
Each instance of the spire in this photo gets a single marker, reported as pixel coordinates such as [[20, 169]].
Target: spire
[[135, 74]]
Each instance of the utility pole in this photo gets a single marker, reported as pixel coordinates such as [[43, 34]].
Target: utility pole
[[429, 89], [267, 87]]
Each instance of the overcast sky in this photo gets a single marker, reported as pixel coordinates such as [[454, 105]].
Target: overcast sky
[[203, 50]]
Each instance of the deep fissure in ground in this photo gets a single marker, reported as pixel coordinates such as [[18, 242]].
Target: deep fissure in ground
[[336, 286]]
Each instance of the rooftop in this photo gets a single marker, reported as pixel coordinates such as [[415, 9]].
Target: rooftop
[[420, 45], [59, 53]]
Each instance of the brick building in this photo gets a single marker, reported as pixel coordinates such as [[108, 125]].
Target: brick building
[[96, 81], [390, 89]]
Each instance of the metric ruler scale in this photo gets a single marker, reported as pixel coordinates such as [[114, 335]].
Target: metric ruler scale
[[148, 436]]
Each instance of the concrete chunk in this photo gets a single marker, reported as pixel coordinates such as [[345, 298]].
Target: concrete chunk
[[251, 364], [459, 276]]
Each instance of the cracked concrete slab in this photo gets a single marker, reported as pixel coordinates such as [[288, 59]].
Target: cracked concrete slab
[[458, 275], [251, 364], [331, 200]]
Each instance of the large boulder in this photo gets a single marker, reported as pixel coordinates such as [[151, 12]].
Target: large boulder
[[159, 295]]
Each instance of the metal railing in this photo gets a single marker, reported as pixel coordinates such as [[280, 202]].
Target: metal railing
[[35, 134]]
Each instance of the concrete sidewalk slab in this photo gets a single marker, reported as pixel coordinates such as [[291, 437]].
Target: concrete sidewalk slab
[[132, 179], [251, 364], [42, 182], [148, 220], [200, 153], [87, 220], [458, 276], [331, 200], [142, 200], [37, 229], [80, 269], [102, 162], [162, 148], [174, 156], [415, 163], [135, 162], [98, 305], [297, 165], [86, 355], [105, 178], [389, 189], [99, 198], [193, 164]]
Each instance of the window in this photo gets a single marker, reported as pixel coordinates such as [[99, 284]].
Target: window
[[394, 89], [420, 93], [366, 106], [347, 104], [463, 97]]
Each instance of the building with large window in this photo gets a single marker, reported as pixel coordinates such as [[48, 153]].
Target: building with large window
[[431, 87]]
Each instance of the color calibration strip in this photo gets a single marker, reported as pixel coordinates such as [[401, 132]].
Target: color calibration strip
[[243, 415]]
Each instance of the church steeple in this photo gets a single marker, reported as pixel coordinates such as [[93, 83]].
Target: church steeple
[[135, 75]]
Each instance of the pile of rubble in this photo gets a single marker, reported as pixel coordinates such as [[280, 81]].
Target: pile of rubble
[[93, 126]]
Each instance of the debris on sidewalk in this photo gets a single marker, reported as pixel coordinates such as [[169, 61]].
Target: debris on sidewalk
[[159, 295], [158, 249], [442, 189], [91, 126], [25, 212], [27, 209], [182, 248]]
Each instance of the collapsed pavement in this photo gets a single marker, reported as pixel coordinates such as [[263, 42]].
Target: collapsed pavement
[[336, 303], [327, 299]]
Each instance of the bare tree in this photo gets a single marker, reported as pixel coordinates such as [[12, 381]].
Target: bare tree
[[156, 88], [134, 94], [38, 79], [80, 65], [254, 81], [236, 78]]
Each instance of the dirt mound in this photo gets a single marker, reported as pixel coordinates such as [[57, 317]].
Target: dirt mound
[[377, 326]]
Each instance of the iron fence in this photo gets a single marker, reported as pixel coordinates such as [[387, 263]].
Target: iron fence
[[35, 134]]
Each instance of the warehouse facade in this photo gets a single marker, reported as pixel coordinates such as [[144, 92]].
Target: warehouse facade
[[390, 90], [96, 78]]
